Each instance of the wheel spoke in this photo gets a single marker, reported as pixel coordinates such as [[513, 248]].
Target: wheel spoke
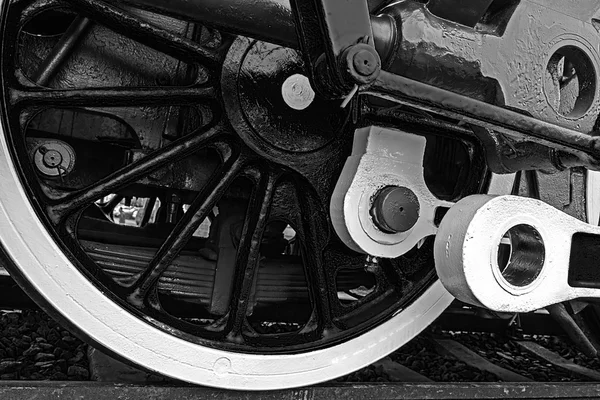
[[143, 32], [111, 97], [113, 182], [248, 253], [62, 50], [312, 240], [185, 228]]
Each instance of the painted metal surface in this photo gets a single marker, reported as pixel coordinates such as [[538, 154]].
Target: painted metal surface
[[382, 157], [538, 274]]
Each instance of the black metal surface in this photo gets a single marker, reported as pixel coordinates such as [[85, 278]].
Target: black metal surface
[[329, 32], [149, 34], [467, 13], [583, 260], [474, 320], [71, 37], [264, 67], [268, 20], [13, 296], [49, 391]]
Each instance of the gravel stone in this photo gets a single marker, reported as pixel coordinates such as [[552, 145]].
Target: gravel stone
[[32, 351], [44, 364], [44, 357], [78, 358], [78, 373], [69, 339], [46, 346]]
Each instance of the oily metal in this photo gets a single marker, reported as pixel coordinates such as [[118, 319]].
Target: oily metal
[[337, 45], [247, 17], [497, 61]]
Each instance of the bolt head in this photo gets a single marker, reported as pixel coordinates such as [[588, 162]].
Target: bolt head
[[395, 209], [52, 158], [297, 92], [365, 62]]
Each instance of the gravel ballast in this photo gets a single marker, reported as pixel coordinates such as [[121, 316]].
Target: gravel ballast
[[35, 347]]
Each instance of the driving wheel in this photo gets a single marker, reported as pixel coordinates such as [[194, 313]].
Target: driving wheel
[[165, 192]]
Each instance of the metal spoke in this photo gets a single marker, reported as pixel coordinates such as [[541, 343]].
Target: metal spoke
[[112, 183], [62, 50], [312, 236], [143, 32], [111, 97], [248, 252], [185, 228]]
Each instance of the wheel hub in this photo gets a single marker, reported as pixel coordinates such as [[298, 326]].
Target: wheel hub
[[271, 104]]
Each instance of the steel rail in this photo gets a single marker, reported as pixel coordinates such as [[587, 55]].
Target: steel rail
[[20, 390]]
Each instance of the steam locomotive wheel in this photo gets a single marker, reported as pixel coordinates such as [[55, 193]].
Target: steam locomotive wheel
[[231, 126]]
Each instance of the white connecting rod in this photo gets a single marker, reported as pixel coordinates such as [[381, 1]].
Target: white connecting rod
[[516, 254]]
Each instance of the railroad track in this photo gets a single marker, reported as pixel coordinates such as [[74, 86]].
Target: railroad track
[[97, 391]]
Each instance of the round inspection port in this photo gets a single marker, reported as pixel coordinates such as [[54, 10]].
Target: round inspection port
[[521, 255], [570, 83]]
